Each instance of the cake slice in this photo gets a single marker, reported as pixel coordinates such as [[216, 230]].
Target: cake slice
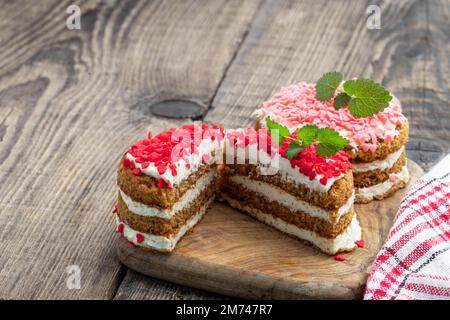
[[376, 143], [166, 184], [308, 197]]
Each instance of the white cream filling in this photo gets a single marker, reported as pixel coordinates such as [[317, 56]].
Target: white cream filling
[[345, 240], [378, 164], [276, 194], [162, 243], [190, 195], [381, 188]]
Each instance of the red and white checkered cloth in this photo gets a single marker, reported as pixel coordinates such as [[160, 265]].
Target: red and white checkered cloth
[[414, 262]]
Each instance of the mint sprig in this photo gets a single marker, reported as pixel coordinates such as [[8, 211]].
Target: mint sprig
[[341, 100], [277, 131], [327, 85], [363, 97], [328, 141], [367, 97], [294, 149]]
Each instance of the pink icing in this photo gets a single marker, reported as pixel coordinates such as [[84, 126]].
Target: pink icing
[[296, 105]]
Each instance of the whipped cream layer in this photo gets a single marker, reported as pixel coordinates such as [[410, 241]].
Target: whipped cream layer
[[142, 209], [382, 165], [343, 242], [380, 189], [158, 242], [276, 194]]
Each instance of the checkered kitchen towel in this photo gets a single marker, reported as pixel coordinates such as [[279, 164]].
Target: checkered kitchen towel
[[414, 262]]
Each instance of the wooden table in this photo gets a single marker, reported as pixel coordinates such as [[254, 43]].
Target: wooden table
[[72, 100]]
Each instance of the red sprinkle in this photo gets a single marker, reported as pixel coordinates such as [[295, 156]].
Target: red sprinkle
[[145, 165], [120, 228], [166, 148], [115, 209], [132, 244], [339, 257], [126, 162], [169, 185], [360, 243], [162, 169], [136, 171], [311, 164], [161, 183], [139, 238]]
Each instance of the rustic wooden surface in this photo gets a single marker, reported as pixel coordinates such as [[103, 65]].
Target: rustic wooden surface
[[233, 254], [71, 100]]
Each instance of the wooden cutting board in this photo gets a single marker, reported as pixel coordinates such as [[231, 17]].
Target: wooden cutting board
[[230, 253]]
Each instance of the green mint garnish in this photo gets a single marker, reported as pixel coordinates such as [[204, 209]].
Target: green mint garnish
[[329, 142], [293, 149], [277, 131], [363, 97], [327, 85], [341, 100], [367, 97], [307, 134]]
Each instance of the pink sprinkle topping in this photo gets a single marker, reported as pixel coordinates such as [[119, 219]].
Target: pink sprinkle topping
[[296, 105]]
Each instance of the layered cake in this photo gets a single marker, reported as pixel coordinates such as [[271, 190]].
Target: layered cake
[[166, 183], [376, 142], [308, 197]]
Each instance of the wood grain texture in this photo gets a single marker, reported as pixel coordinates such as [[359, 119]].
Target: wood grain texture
[[70, 102], [292, 41], [138, 286], [233, 254]]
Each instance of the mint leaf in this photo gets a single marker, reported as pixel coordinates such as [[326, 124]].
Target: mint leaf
[[293, 149], [329, 142], [277, 131], [307, 133], [367, 97], [327, 85], [341, 100]]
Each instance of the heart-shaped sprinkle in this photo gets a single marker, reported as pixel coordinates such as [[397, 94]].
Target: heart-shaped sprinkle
[[126, 162], [360, 243], [120, 228], [139, 238], [339, 257], [161, 183]]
